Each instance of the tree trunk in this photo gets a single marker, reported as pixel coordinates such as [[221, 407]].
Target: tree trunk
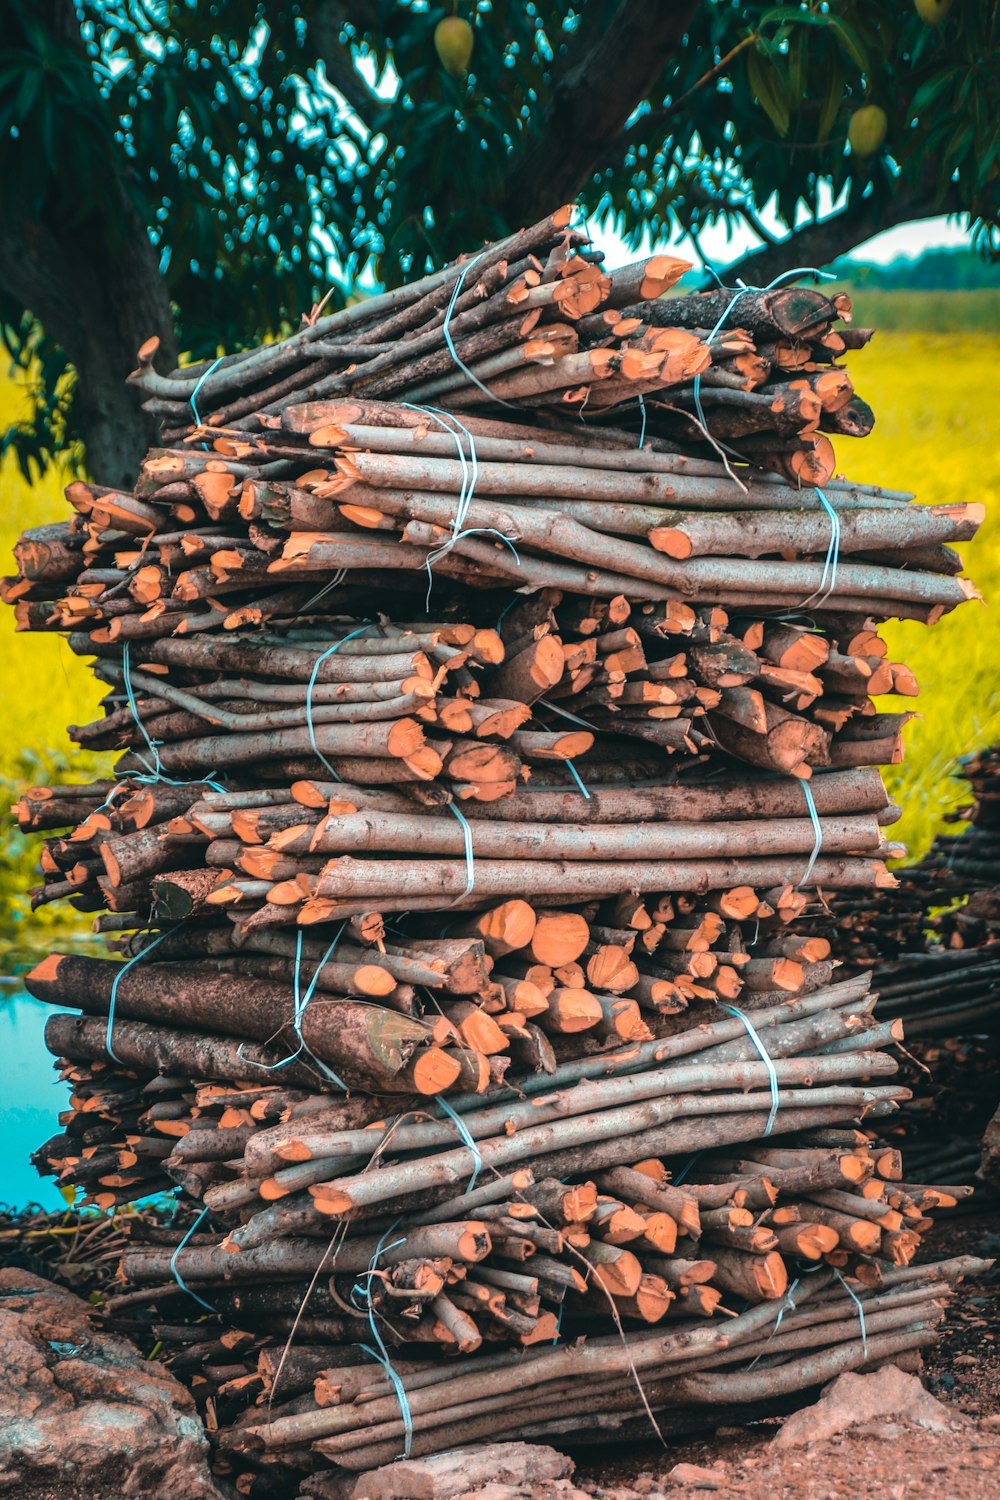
[[617, 56], [95, 286]]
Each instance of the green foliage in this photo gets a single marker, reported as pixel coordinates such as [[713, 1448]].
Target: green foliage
[[44, 434], [273, 148], [944, 270]]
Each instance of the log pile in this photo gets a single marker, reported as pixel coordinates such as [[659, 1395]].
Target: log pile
[[477, 767], [934, 940]]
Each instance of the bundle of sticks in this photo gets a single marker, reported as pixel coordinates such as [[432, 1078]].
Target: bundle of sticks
[[472, 769], [253, 528], [534, 323], [548, 1211], [934, 940]]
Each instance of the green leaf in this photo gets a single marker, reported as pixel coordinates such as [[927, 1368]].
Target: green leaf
[[832, 100], [851, 43], [767, 86]]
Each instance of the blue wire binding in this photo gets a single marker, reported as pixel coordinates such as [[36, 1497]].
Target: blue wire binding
[[381, 1356], [194, 394], [119, 976], [680, 1176], [300, 1004], [828, 577], [642, 429], [787, 1305], [765, 1058], [173, 1264], [743, 290], [446, 330], [470, 858], [861, 1312], [155, 769], [467, 488], [577, 778], [817, 829], [467, 1140], [565, 713], [312, 688], [155, 773]]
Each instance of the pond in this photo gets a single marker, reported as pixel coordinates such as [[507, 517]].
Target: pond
[[31, 1097]]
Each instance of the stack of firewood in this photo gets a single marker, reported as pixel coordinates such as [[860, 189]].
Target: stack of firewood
[[934, 942], [476, 773]]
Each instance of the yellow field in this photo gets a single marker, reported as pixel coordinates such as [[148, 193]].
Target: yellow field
[[936, 433], [43, 686]]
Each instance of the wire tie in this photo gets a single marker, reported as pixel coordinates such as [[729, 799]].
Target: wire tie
[[817, 829], [861, 1312], [173, 1264], [577, 778], [742, 290], [828, 577], [470, 859], [765, 1058], [470, 474], [467, 1140], [312, 688], [446, 330], [154, 774], [120, 973], [194, 394], [381, 1355]]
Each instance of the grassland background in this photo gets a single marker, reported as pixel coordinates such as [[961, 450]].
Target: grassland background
[[930, 375]]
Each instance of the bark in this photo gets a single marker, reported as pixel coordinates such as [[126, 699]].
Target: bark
[[614, 62], [96, 288]]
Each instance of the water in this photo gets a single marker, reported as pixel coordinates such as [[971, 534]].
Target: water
[[31, 1097]]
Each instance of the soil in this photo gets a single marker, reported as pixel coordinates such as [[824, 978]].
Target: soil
[[886, 1460]]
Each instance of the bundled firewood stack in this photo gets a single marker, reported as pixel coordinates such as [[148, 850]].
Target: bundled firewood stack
[[934, 940], [477, 767]]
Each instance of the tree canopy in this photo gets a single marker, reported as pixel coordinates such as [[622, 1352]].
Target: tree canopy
[[207, 169]]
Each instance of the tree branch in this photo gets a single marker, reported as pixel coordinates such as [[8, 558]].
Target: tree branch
[[819, 243], [614, 62], [325, 25]]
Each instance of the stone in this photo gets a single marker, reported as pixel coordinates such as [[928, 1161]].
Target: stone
[[989, 1167], [494, 1471], [694, 1477], [82, 1414], [853, 1400]]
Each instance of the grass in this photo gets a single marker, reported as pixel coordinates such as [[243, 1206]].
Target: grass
[[976, 311], [935, 434], [43, 686]]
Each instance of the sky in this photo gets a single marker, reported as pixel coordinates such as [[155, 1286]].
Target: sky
[[905, 239]]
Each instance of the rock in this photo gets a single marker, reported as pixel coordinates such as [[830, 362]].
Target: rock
[[854, 1399], [989, 1167], [492, 1471], [82, 1414], [694, 1477]]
